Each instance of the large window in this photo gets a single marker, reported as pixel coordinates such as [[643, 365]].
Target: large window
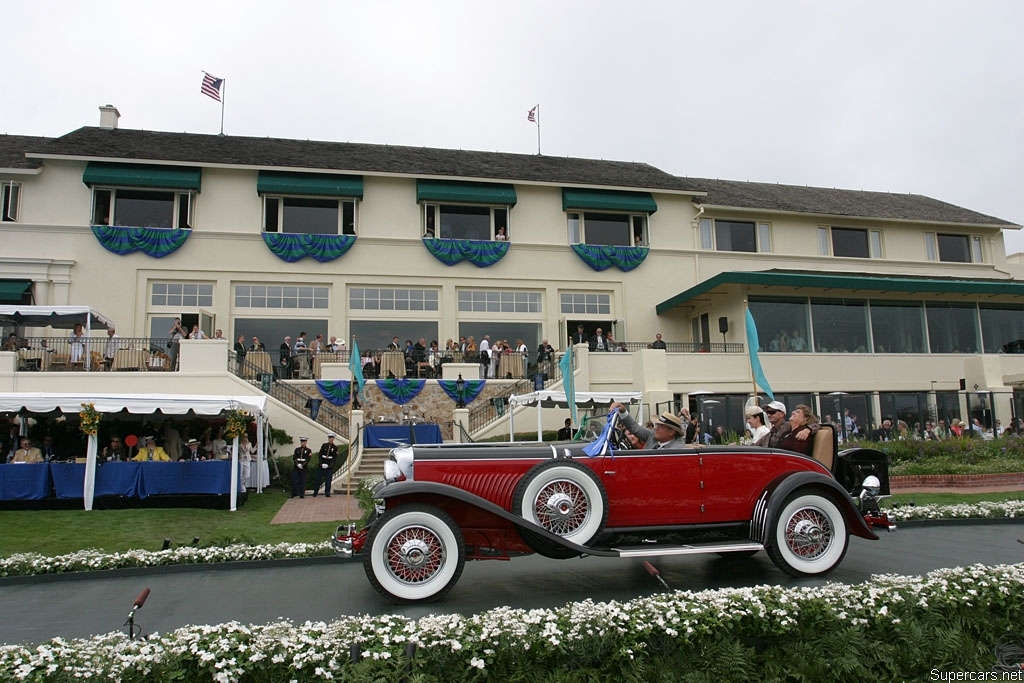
[[309, 215], [142, 208], [181, 294], [610, 229], [850, 242], [840, 325], [726, 235], [10, 200], [952, 327], [953, 248], [909, 407], [377, 334], [392, 299], [1002, 328], [280, 297], [898, 326], [498, 301], [530, 333], [463, 222], [585, 303], [782, 323]]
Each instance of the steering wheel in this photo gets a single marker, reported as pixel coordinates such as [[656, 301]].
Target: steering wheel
[[619, 439]]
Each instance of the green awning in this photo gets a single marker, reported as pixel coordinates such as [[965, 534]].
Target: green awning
[[142, 175], [466, 193], [317, 184], [608, 200], [13, 291], [852, 283]]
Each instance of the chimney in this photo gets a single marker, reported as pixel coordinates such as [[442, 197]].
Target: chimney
[[109, 116]]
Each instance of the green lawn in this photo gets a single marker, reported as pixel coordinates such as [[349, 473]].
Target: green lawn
[[57, 532]]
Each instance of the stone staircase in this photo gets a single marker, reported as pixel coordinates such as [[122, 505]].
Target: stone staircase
[[372, 463]]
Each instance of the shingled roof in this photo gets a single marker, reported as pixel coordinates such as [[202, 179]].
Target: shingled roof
[[13, 148], [199, 149]]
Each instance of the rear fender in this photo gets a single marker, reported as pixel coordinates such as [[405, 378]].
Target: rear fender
[[424, 490], [778, 490]]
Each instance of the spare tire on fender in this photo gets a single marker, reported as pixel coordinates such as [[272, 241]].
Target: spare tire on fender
[[565, 498]]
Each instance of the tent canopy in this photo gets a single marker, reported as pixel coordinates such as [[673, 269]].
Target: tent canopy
[[168, 404], [584, 399], [61, 317]]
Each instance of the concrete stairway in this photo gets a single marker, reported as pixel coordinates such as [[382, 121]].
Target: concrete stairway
[[372, 463]]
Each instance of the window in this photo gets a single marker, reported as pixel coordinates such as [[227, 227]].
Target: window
[[181, 294], [10, 201], [782, 323], [742, 236], [309, 215], [281, 297], [586, 303], [840, 325], [487, 301], [849, 242], [897, 326], [952, 327], [953, 248], [459, 222], [610, 229], [1002, 328], [142, 208], [392, 299]]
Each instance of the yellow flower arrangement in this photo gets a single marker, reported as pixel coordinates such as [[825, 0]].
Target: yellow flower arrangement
[[237, 423], [90, 418]]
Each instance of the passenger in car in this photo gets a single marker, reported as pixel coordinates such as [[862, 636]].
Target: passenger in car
[[756, 423], [668, 429], [800, 423]]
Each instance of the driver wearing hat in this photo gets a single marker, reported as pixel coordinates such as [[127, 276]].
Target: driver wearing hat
[[668, 429]]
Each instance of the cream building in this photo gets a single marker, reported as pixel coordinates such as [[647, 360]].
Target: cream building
[[880, 304]]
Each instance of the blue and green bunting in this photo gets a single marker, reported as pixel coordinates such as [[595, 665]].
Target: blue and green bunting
[[603, 256], [481, 253], [155, 242], [291, 247], [470, 391], [401, 391], [336, 391]]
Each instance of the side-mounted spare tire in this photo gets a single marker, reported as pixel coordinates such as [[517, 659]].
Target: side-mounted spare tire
[[565, 498]]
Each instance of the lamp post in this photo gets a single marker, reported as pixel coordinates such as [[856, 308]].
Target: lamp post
[[460, 388], [837, 405]]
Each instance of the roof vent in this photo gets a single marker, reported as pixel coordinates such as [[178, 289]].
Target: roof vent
[[109, 116]]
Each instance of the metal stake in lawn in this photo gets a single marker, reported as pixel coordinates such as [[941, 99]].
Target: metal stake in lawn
[[653, 571]]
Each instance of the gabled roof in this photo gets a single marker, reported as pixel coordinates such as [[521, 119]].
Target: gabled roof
[[193, 148], [851, 282], [832, 202], [13, 148]]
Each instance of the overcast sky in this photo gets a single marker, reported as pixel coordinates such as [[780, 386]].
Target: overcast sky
[[918, 96]]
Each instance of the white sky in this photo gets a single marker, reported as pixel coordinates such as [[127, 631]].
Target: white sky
[[919, 96]]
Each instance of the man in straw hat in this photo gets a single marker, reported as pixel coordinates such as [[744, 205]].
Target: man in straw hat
[[668, 429], [150, 451]]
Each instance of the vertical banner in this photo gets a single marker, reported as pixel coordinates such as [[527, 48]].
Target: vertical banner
[[755, 363]]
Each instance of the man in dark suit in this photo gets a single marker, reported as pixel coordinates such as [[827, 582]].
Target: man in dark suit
[[599, 342], [193, 452], [566, 432], [580, 337]]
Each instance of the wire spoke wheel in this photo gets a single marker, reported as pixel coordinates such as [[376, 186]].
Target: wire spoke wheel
[[809, 533], [414, 554], [810, 536], [564, 498], [562, 507]]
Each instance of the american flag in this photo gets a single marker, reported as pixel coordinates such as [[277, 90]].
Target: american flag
[[531, 115], [211, 86]]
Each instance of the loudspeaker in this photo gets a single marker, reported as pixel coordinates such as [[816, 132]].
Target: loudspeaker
[[963, 384], [723, 324]]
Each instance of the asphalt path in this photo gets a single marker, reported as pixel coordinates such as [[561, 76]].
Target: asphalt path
[[34, 612]]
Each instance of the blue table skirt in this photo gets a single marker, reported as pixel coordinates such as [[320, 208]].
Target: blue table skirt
[[142, 479], [389, 436], [24, 481]]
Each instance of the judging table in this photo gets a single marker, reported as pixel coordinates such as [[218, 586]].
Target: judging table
[[257, 363], [511, 363], [392, 362], [34, 359], [31, 481], [130, 359], [392, 435]]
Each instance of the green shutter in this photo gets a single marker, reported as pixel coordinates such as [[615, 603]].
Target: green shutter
[[465, 193], [608, 200], [317, 184], [12, 291], [142, 175]]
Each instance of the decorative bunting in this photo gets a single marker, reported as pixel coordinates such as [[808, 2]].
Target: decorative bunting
[[336, 391], [603, 256], [291, 247], [469, 392], [401, 391], [155, 242], [481, 253]]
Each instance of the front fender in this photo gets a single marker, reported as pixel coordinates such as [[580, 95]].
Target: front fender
[[428, 488], [779, 489]]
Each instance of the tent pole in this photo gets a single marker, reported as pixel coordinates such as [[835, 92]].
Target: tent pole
[[234, 476]]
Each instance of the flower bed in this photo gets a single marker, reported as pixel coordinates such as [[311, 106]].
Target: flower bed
[[889, 628]]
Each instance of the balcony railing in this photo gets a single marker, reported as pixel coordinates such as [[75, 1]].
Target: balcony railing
[[95, 354]]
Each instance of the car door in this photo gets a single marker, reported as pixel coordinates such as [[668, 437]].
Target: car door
[[651, 488]]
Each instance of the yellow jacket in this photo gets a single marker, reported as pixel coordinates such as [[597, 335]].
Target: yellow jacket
[[158, 454], [30, 455]]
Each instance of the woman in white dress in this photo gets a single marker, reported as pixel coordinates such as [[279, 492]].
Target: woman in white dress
[[77, 342], [246, 456]]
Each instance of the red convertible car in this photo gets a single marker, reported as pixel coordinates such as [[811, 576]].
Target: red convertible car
[[442, 505]]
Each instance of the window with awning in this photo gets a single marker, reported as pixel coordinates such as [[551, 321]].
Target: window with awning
[[465, 210], [142, 195], [309, 203], [14, 291]]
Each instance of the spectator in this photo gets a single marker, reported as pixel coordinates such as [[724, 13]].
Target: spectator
[[883, 433], [193, 452], [599, 342], [151, 452], [658, 342], [566, 432], [27, 452], [115, 452]]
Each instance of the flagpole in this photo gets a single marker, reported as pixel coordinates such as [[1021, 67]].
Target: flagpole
[[223, 94], [538, 129], [351, 446], [750, 363]]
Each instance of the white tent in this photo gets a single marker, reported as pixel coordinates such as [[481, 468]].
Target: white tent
[[557, 399], [168, 404], [60, 317]]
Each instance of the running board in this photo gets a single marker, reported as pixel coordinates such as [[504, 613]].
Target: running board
[[654, 550]]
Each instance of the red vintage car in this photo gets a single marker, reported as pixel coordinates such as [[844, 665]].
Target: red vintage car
[[442, 505]]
